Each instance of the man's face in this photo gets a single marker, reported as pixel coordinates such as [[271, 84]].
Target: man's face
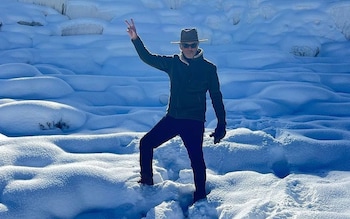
[[189, 49]]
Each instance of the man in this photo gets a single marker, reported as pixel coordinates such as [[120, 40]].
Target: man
[[191, 76]]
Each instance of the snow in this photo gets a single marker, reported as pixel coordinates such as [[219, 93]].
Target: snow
[[75, 100]]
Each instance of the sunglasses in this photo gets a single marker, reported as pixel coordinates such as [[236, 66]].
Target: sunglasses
[[192, 45]]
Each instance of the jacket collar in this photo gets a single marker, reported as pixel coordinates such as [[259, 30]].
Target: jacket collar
[[198, 55]]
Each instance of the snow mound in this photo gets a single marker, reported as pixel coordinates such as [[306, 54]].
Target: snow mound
[[17, 70], [166, 210], [59, 5], [79, 9], [13, 41], [38, 87], [81, 27], [340, 14], [39, 117]]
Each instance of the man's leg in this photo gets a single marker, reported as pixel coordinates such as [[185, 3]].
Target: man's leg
[[164, 130], [192, 136]]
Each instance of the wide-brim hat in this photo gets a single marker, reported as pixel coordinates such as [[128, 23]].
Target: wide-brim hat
[[189, 35]]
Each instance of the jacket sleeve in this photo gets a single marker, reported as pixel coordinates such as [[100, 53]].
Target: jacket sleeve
[[216, 98], [157, 61]]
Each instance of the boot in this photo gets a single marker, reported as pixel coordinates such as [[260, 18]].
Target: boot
[[146, 181], [198, 196]]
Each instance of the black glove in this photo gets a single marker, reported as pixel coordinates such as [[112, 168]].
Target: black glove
[[219, 133]]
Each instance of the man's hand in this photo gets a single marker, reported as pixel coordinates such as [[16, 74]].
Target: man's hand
[[131, 29], [219, 133]]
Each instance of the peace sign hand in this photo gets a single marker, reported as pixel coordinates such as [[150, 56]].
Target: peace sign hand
[[131, 29]]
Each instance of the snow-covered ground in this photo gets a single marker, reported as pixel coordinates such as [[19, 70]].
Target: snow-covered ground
[[76, 99]]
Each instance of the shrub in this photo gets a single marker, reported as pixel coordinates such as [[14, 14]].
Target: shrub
[[54, 125]]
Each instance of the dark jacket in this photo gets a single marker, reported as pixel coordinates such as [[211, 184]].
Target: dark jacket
[[189, 82]]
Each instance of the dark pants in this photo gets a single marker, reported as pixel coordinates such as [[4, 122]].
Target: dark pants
[[191, 133]]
